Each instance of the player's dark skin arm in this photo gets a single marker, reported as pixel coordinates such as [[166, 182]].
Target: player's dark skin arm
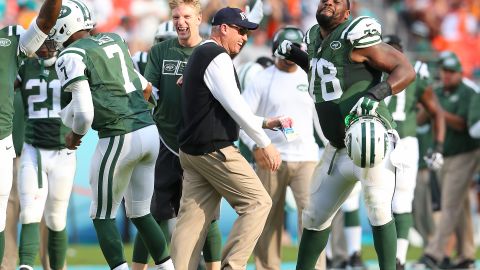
[[73, 140], [147, 92], [16, 84], [385, 58], [48, 15], [430, 103], [454, 121]]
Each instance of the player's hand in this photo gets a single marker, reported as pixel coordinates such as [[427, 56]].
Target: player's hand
[[73, 140], [434, 160], [269, 158], [180, 81], [284, 49], [277, 122], [365, 106]]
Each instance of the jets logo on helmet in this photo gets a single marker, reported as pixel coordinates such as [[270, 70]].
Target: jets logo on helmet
[[166, 30], [74, 16], [367, 141]]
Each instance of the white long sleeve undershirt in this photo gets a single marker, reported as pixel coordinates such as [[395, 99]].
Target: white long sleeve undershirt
[[220, 79], [82, 106]]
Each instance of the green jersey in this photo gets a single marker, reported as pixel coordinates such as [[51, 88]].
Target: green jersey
[[425, 142], [457, 103], [42, 99], [10, 57], [18, 131], [140, 61], [337, 82], [403, 105], [166, 62], [117, 88]]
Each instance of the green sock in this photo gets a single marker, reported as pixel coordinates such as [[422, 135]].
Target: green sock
[[57, 248], [140, 251], [164, 227], [212, 249], [311, 245], [153, 237], [352, 219], [385, 239], [2, 245], [110, 241], [403, 223], [29, 243]]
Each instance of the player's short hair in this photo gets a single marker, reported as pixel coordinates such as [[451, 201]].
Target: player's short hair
[[194, 3]]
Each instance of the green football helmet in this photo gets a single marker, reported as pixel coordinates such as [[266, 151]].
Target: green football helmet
[[289, 32], [367, 141]]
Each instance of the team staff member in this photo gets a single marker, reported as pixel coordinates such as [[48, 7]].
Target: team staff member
[[16, 44], [212, 111], [166, 63], [462, 154]]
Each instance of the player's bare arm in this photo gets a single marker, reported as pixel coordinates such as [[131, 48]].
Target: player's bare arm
[[430, 103], [147, 92], [387, 59], [48, 15]]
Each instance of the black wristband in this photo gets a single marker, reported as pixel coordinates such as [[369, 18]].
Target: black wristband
[[438, 147], [299, 57], [380, 91]]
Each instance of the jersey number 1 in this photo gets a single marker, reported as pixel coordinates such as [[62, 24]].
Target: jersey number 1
[[111, 50]]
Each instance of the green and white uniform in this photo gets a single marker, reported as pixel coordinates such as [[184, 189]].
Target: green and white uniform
[[47, 168], [403, 109], [15, 44], [140, 61], [120, 164], [337, 83]]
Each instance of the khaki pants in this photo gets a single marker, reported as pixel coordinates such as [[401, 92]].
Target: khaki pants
[[455, 176], [422, 206], [208, 178], [297, 175]]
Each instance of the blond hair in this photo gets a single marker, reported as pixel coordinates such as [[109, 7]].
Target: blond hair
[[194, 3]]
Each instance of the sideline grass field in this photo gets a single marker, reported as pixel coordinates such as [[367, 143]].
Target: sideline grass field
[[92, 255]]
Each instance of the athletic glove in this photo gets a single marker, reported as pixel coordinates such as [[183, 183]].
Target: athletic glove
[[284, 49], [365, 106], [434, 157]]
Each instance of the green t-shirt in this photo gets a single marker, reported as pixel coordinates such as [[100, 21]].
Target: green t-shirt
[[425, 142], [43, 99], [335, 80], [457, 103], [166, 63], [10, 57], [403, 105], [117, 89]]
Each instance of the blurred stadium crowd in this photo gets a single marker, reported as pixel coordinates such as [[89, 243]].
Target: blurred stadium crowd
[[425, 26]]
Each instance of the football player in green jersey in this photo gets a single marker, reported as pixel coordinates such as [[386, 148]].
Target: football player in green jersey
[[403, 109], [165, 64], [345, 59], [47, 168], [109, 95], [15, 44]]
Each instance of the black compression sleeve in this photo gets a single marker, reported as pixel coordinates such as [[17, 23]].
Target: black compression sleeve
[[380, 91], [299, 57]]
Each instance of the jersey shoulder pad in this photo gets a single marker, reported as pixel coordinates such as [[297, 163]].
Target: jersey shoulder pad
[[70, 66], [311, 34], [140, 57], [471, 84], [363, 32], [421, 69]]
